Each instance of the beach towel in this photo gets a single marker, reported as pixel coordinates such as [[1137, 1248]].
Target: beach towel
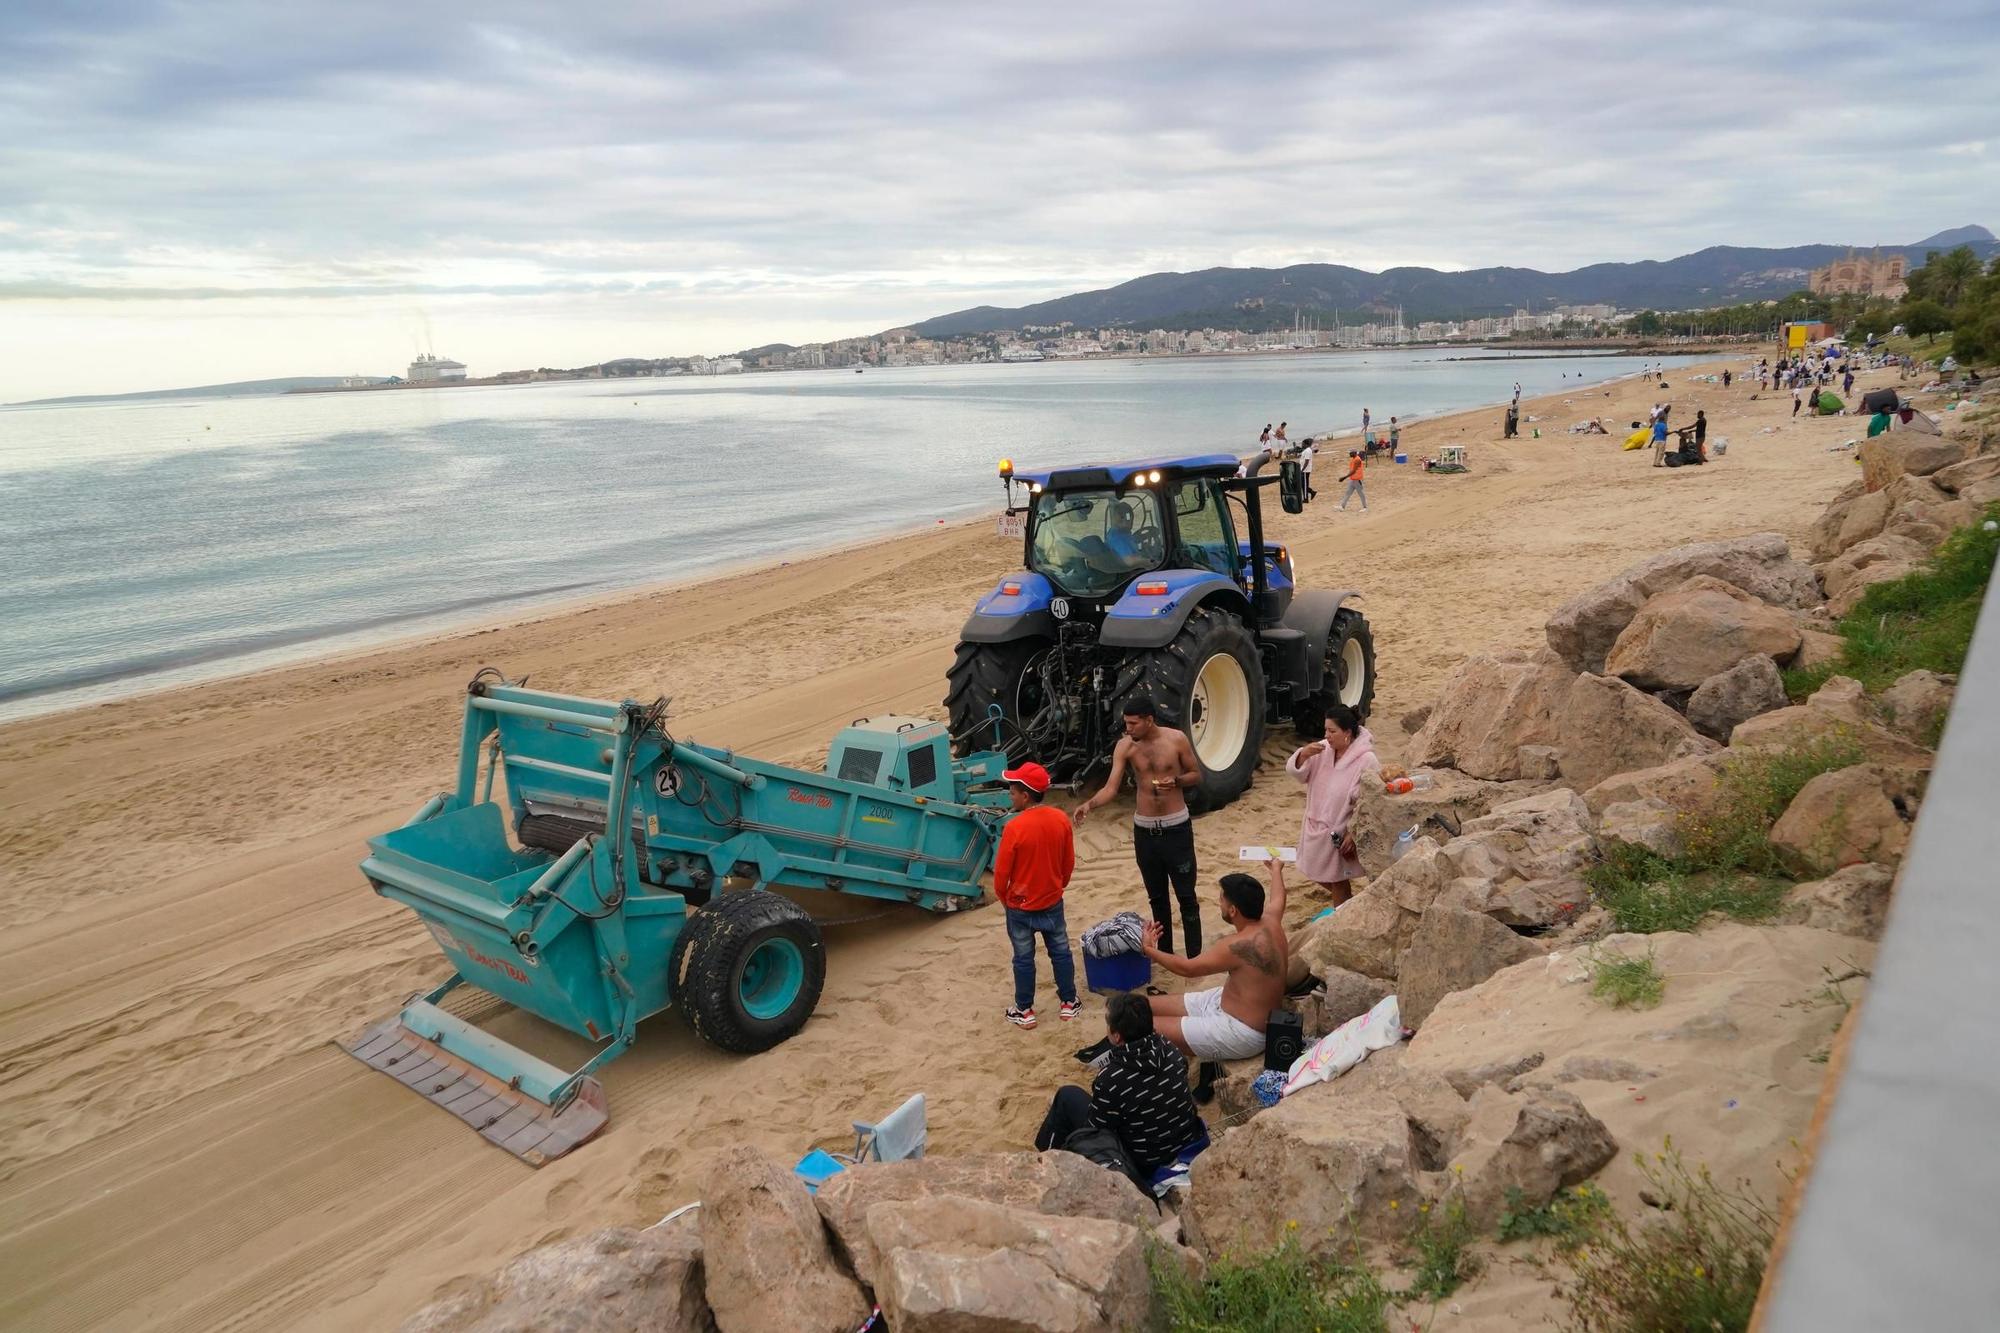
[[1877, 424], [1120, 935], [1347, 1046]]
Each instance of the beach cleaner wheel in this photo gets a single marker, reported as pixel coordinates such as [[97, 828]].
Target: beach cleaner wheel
[[747, 970]]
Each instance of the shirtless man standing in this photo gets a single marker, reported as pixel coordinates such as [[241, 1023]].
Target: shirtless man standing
[[1163, 832], [1228, 1021]]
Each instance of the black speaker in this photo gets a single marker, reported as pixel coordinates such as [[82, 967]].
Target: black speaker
[[1284, 1039]]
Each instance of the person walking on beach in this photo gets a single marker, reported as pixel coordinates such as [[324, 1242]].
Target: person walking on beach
[[1162, 828], [1660, 439], [1353, 479], [1030, 871], [1264, 440], [1306, 456], [1333, 770], [1512, 426], [1798, 399], [1364, 422], [1725, 379], [1227, 1022], [1278, 441], [1395, 436]]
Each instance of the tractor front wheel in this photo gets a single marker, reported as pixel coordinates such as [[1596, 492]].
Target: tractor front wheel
[[1209, 683], [1350, 674], [747, 970]]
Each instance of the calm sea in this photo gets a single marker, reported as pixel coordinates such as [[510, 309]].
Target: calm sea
[[159, 541]]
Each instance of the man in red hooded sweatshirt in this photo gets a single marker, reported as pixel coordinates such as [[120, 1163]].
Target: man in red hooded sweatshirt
[[1030, 871]]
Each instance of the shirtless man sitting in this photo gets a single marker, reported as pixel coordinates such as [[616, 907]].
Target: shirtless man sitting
[[1162, 830], [1227, 1022]]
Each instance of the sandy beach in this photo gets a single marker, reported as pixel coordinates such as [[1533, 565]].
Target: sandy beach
[[181, 1144]]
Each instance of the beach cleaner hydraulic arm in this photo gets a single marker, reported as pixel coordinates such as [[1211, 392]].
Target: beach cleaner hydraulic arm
[[637, 877]]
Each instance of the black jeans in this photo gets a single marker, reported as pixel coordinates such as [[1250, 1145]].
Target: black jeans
[[1069, 1112], [1166, 855]]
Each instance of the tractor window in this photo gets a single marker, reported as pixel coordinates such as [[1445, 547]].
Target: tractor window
[[1205, 538], [1088, 543]]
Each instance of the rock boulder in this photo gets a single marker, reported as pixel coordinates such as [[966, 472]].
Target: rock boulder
[[1380, 816], [1491, 706], [1697, 630], [1853, 900], [1332, 1158], [1539, 1141], [1848, 816], [953, 1264], [1916, 705], [1972, 476], [1583, 629], [768, 1261], [1688, 785], [1648, 822], [1608, 727], [1888, 457], [1057, 1183], [1341, 995], [1836, 712], [1750, 687], [1849, 567], [1452, 950], [606, 1282]]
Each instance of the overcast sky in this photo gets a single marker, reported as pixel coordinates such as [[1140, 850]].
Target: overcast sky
[[197, 192]]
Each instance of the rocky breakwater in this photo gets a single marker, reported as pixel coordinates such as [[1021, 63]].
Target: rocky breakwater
[[1000, 1241]]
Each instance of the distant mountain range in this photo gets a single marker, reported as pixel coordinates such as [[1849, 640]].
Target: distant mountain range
[[240, 389], [1719, 275]]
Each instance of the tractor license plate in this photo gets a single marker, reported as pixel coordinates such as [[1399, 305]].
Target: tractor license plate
[[1010, 526]]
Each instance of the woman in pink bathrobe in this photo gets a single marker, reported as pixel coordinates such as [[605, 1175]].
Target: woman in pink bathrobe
[[1333, 771]]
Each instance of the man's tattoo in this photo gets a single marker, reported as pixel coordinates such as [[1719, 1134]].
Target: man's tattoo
[[1254, 951]]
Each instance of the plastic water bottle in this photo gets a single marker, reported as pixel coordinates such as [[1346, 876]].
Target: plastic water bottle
[[1404, 841], [1421, 781]]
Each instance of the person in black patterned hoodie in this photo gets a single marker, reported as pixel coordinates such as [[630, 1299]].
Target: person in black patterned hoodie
[[1142, 1096]]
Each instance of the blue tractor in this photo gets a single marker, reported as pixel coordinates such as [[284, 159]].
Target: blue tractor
[[1154, 577]]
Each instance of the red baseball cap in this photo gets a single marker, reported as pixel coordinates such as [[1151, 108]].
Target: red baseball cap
[[1032, 776]]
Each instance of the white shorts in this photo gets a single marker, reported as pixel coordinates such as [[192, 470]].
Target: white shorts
[[1214, 1035]]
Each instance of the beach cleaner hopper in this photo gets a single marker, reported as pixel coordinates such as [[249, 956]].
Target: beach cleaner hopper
[[622, 871]]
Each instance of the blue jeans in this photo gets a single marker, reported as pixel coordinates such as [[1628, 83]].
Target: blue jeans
[[1022, 927]]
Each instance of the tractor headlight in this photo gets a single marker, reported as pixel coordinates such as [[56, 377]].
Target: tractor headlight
[[1153, 476]]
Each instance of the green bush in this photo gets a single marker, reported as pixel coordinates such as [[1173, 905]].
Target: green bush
[[1629, 983], [1280, 1291], [1754, 789], [1645, 892], [1442, 1246], [1922, 621], [1570, 1219], [1696, 1266]]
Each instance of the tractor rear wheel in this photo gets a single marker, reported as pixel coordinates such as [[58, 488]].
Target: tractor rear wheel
[[984, 674], [1350, 674], [747, 970], [1209, 682]]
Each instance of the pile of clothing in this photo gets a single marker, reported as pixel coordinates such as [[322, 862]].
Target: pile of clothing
[[1121, 934]]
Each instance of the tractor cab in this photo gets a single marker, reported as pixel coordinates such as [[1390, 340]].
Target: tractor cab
[[1092, 532]]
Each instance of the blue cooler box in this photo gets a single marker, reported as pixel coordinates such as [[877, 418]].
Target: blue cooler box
[[1124, 971]]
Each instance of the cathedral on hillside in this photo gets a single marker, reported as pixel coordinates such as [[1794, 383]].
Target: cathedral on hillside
[[1867, 275]]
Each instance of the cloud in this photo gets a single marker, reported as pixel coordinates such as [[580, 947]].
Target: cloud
[[248, 152]]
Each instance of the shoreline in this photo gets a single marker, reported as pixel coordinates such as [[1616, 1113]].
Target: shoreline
[[342, 645]]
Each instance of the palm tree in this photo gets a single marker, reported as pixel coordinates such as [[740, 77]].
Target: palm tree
[[1951, 274]]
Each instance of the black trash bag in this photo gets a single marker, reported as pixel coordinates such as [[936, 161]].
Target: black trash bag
[[1102, 1147]]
